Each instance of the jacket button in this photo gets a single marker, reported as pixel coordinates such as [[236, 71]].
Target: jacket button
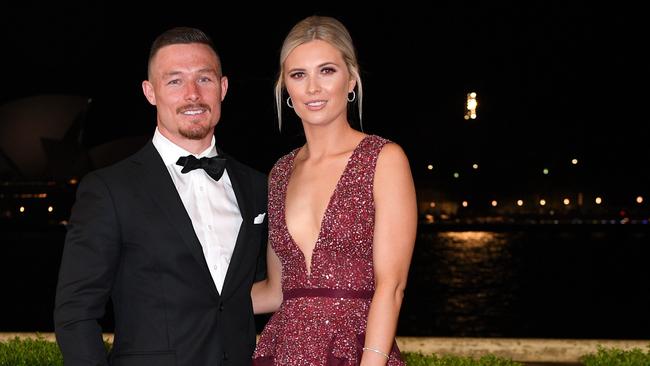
[[221, 307], [225, 356]]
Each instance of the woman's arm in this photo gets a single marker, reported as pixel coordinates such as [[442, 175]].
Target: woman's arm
[[267, 294], [394, 239]]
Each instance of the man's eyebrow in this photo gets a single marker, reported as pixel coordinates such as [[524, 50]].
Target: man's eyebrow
[[200, 71]]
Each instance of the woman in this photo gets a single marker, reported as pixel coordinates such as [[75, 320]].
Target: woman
[[342, 216]]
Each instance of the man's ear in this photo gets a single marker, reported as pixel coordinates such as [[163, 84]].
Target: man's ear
[[147, 89], [224, 87]]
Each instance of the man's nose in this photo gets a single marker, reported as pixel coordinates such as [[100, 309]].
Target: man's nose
[[192, 92]]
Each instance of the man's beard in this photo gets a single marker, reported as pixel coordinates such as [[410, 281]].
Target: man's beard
[[195, 132]]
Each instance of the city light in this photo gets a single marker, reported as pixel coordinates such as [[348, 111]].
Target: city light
[[50, 209], [465, 204], [542, 202], [430, 167], [471, 105], [545, 171], [494, 203], [474, 166], [432, 204], [574, 161], [456, 175], [520, 203], [566, 201], [639, 199], [21, 209], [599, 200]]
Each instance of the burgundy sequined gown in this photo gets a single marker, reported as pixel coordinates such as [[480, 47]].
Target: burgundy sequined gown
[[322, 320]]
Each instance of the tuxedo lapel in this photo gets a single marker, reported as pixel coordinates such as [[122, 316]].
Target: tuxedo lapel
[[241, 185], [159, 184]]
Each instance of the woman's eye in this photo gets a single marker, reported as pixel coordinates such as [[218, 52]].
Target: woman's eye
[[328, 70]]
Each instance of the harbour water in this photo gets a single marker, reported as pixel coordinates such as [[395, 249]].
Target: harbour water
[[557, 281]]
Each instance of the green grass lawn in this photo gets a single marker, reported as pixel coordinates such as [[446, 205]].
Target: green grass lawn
[[40, 352]]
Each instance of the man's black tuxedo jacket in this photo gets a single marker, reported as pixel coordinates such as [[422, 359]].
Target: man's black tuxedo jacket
[[130, 238]]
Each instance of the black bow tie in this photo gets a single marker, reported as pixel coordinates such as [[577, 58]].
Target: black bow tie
[[214, 166]]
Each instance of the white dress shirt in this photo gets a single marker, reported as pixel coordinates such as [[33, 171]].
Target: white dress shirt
[[212, 206]]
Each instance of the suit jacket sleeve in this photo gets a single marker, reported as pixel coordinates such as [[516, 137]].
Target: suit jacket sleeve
[[260, 269], [88, 266], [262, 191]]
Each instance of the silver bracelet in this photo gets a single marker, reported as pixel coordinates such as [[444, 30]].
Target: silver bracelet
[[376, 351]]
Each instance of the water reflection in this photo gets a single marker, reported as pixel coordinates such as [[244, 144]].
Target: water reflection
[[544, 282], [476, 272], [469, 279]]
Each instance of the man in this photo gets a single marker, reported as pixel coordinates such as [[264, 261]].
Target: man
[[173, 239]]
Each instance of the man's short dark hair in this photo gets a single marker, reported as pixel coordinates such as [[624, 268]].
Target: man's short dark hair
[[181, 35]]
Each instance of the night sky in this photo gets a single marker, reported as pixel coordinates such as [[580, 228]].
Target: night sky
[[554, 81]]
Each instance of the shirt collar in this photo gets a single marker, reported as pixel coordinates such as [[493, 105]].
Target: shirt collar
[[170, 152]]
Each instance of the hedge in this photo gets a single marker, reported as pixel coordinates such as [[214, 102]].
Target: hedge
[[617, 357], [40, 352]]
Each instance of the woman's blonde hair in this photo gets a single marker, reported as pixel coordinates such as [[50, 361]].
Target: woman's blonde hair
[[325, 29]]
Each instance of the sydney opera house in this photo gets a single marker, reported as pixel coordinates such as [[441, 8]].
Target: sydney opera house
[[43, 154]]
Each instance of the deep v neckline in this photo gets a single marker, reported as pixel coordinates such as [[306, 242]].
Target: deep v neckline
[[308, 267]]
